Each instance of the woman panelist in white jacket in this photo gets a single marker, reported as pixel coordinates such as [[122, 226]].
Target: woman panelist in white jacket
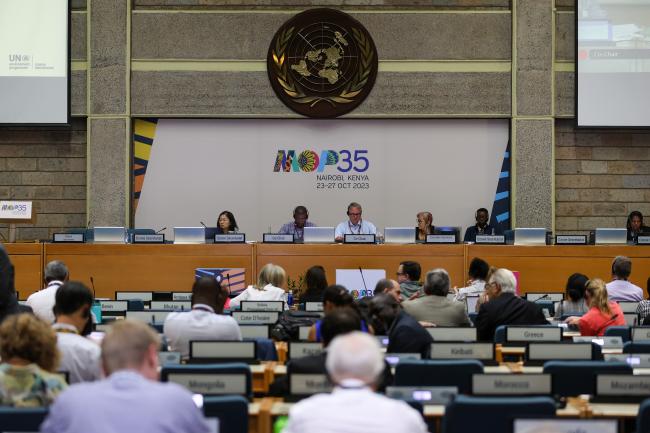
[[270, 287]]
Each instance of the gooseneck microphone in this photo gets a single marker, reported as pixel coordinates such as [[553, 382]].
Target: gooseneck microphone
[[363, 280], [203, 224], [228, 277], [158, 232], [92, 286]]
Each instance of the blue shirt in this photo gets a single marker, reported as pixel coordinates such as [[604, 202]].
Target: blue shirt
[[291, 229], [125, 402]]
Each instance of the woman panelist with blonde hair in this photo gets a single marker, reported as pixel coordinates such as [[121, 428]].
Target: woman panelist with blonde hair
[[602, 313], [270, 287]]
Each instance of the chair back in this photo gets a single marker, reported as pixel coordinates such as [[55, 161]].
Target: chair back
[[231, 410], [428, 372], [643, 417], [500, 334], [571, 378], [20, 419], [473, 414], [636, 347], [619, 331]]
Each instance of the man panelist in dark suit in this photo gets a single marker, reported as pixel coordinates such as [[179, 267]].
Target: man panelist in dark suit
[[504, 307]]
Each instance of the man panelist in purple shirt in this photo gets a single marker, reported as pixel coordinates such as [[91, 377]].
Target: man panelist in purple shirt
[[620, 289], [297, 226], [130, 399]]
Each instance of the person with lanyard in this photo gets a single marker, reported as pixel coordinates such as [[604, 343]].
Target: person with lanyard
[[297, 226], [354, 225], [355, 365], [482, 227], [80, 357], [206, 321]]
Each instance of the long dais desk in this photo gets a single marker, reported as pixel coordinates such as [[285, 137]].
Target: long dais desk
[[170, 267]]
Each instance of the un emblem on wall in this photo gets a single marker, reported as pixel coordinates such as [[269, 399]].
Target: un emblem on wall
[[322, 63]]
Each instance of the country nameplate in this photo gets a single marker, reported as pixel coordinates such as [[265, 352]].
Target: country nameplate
[[571, 240], [359, 239], [275, 238], [491, 239], [441, 239], [68, 238], [149, 239], [511, 384], [230, 238]]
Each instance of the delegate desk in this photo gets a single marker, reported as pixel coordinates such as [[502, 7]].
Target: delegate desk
[[546, 268], [297, 258], [145, 267], [28, 264]]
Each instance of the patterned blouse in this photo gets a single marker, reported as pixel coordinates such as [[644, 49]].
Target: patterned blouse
[[28, 386]]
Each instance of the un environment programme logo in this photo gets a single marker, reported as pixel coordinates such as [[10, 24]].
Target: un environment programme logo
[[335, 169], [322, 63]]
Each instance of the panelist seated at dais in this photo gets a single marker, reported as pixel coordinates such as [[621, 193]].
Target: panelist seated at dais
[[297, 226], [355, 225], [226, 223], [482, 227]]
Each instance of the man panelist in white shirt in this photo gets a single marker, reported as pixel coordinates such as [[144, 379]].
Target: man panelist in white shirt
[[206, 321], [355, 225], [42, 302], [354, 363], [80, 357]]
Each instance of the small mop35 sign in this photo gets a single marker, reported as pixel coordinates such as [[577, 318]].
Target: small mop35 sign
[[16, 210], [322, 63]]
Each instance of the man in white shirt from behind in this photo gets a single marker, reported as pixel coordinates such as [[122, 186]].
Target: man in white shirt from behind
[[620, 289], [80, 356], [354, 363], [477, 273], [42, 302], [206, 321]]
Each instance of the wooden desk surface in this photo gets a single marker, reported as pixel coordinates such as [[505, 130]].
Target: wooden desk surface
[[147, 267], [296, 259], [28, 263]]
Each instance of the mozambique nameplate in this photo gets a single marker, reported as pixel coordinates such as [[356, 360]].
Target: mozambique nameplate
[[359, 239], [322, 63], [275, 238], [230, 238], [491, 239], [69, 238], [149, 239]]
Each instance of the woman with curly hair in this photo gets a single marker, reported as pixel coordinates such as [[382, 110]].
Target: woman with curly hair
[[30, 358]]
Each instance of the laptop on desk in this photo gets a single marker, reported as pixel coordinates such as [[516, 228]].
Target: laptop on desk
[[112, 235], [318, 235], [399, 235], [611, 236], [189, 235]]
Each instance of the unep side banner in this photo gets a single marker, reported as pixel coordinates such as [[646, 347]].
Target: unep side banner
[[188, 171]]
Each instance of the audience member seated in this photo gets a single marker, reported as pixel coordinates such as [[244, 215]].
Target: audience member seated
[[408, 277], [575, 292], [354, 363], [405, 334], [226, 223], [477, 273], [434, 307], [206, 321], [8, 301], [389, 287], [620, 289], [334, 297], [29, 360], [643, 309], [56, 273], [316, 282], [481, 227], [504, 307], [338, 322], [80, 357], [354, 225], [130, 399], [602, 313], [270, 287], [635, 225], [297, 226], [425, 226]]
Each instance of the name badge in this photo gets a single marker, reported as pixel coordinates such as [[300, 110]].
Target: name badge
[[169, 358], [222, 350], [441, 239], [511, 384], [314, 306], [605, 342], [482, 351], [262, 305], [452, 334], [254, 331], [527, 334], [491, 239], [638, 360], [210, 383], [108, 306], [426, 394], [68, 238], [230, 238], [307, 384], [275, 238], [643, 240], [149, 239], [571, 240], [182, 296], [622, 385], [171, 305], [300, 350], [359, 239], [255, 317], [549, 351]]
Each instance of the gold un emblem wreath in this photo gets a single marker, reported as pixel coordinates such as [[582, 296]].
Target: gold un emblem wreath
[[322, 63]]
